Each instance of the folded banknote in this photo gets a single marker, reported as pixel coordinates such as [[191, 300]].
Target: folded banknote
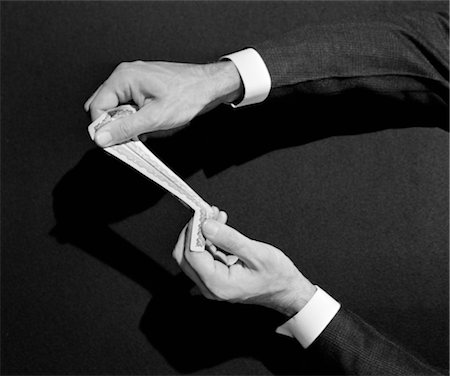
[[135, 154]]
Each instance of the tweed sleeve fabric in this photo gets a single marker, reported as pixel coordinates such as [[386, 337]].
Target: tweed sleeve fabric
[[359, 349], [401, 56]]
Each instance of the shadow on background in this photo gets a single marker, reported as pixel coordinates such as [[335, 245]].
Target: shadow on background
[[191, 332]]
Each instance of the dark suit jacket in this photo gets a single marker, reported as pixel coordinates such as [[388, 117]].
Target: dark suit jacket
[[404, 58]]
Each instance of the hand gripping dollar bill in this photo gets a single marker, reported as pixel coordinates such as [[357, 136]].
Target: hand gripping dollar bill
[[135, 154]]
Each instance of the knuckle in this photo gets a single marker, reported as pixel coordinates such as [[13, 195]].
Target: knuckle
[[223, 295], [123, 65], [126, 65]]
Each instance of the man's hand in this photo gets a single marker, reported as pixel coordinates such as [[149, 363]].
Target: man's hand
[[168, 95], [264, 275]]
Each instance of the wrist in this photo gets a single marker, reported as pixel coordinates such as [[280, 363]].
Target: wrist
[[227, 86], [298, 296]]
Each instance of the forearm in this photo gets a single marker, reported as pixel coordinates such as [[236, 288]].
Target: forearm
[[404, 54], [359, 349]]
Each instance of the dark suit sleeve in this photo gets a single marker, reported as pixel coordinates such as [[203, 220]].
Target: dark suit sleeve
[[405, 57], [358, 349]]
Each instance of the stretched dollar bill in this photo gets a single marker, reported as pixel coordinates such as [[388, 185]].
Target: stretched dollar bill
[[137, 155]]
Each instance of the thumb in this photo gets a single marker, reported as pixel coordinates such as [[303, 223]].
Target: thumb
[[123, 129], [228, 239]]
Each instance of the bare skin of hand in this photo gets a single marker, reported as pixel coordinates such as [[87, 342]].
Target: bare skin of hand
[[264, 275], [169, 95]]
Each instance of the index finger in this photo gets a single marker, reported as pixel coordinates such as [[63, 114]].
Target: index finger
[[230, 240], [204, 264], [178, 255], [87, 104], [105, 99]]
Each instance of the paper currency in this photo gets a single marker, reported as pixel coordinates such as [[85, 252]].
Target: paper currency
[[135, 154]]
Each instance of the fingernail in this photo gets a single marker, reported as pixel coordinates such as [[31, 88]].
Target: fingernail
[[210, 228], [103, 138]]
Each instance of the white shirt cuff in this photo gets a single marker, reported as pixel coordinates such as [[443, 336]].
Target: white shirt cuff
[[254, 74], [307, 325]]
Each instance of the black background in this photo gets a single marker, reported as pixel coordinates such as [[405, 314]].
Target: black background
[[354, 191]]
